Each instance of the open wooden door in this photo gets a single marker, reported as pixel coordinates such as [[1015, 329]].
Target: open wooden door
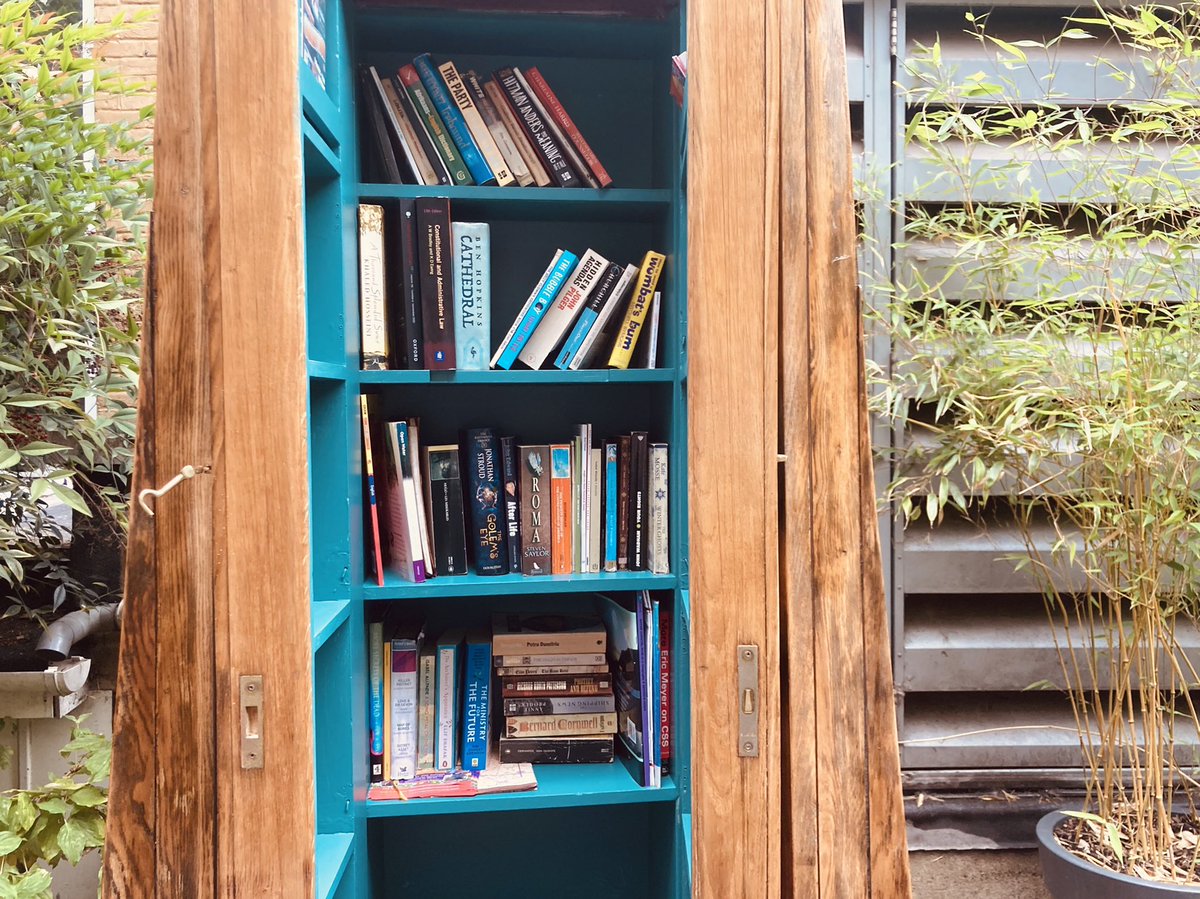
[[212, 767]]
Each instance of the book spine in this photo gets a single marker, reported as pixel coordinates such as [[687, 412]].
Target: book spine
[[487, 513], [446, 509], [536, 524], [666, 630], [385, 153], [428, 115], [484, 143], [560, 705], [652, 330], [588, 315], [658, 550], [412, 500], [404, 709], [371, 280], [638, 489], [387, 710], [540, 136], [372, 498], [596, 524], [654, 695], [610, 506], [592, 343], [512, 501], [407, 281], [567, 684], [424, 139], [426, 708], [561, 314], [455, 124], [623, 469], [635, 314], [560, 508], [404, 539], [525, 726], [401, 130], [508, 117], [375, 665], [577, 164], [476, 705], [544, 670], [647, 666], [558, 115], [499, 131], [503, 660], [578, 518], [433, 255], [472, 295], [535, 307], [447, 677], [556, 750]]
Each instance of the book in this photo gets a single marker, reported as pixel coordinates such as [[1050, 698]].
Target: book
[[508, 117], [540, 137], [647, 353], [445, 743], [462, 98], [651, 761], [453, 120], [639, 478], [403, 137], [600, 333], [558, 115], [664, 682], [403, 672], [543, 633], [499, 131], [596, 522], [560, 508], [476, 699], [376, 555], [312, 38], [445, 503], [404, 536], [577, 164], [556, 685], [560, 315], [547, 750], [434, 260], [371, 280], [424, 522], [386, 674], [498, 777], [588, 314], [385, 166], [635, 312], [375, 669], [543, 670], [511, 473], [446, 149], [471, 273], [625, 654], [559, 705], [404, 283], [524, 726], [658, 520], [623, 459], [426, 708], [579, 496], [549, 657], [425, 139], [534, 504], [610, 505], [535, 307], [481, 459]]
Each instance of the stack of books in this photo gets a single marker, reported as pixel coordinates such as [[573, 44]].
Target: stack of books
[[556, 691], [432, 124]]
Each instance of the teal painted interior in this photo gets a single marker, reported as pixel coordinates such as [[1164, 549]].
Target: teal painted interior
[[590, 830]]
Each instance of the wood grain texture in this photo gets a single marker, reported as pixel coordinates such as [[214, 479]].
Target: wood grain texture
[[186, 820]]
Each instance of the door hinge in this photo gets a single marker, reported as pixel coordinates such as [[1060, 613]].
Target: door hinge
[[895, 34], [747, 701], [251, 701]]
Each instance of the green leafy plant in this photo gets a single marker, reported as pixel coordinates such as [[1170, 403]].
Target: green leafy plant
[[1049, 368], [72, 194]]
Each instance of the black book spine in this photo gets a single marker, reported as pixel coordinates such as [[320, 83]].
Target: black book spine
[[409, 285], [446, 510], [539, 135], [556, 750], [383, 161], [423, 138], [481, 462], [512, 501], [434, 252], [639, 478]]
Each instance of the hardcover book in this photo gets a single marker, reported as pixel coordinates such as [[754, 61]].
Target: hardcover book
[[533, 160], [658, 551], [371, 280], [639, 477], [635, 313], [434, 258], [399, 130], [534, 500], [535, 307], [544, 143], [405, 283], [449, 646], [560, 705], [560, 725], [599, 338], [510, 468], [446, 149], [472, 295], [548, 750], [484, 485], [562, 312], [462, 98], [588, 314], [476, 688], [543, 633], [543, 670], [577, 164], [426, 708], [499, 131], [404, 706], [446, 509], [383, 165], [375, 666], [561, 561], [558, 115], [556, 685], [453, 120]]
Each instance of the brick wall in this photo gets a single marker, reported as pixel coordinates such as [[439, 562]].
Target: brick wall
[[133, 54]]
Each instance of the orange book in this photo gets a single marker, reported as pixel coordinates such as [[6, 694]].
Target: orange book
[[560, 509]]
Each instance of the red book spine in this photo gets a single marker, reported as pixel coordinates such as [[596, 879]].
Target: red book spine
[[550, 100]]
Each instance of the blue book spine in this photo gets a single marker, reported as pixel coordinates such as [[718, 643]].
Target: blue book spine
[[610, 507], [545, 296], [455, 124], [375, 661], [582, 325], [476, 703], [472, 295]]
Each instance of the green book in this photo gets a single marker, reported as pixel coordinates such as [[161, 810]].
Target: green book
[[433, 123]]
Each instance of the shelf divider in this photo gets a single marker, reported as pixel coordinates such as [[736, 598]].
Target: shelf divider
[[332, 857], [327, 617], [516, 585], [522, 376]]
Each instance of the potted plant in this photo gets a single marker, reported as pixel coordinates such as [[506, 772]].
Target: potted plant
[[1053, 362]]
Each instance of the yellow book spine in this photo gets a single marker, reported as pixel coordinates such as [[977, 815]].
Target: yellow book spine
[[387, 710], [635, 314]]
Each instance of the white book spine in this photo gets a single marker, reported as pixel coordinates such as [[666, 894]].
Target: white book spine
[[496, 94], [594, 525], [561, 315], [423, 522], [371, 278], [616, 300], [659, 519], [447, 674], [472, 295], [479, 131], [655, 315], [404, 709], [537, 288], [564, 142]]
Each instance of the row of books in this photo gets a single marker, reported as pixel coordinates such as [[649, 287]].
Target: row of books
[[568, 685], [433, 125], [425, 295], [561, 508]]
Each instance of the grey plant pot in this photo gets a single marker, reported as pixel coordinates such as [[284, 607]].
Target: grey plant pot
[[1068, 876]]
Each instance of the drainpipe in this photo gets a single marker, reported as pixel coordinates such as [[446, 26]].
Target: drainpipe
[[57, 640]]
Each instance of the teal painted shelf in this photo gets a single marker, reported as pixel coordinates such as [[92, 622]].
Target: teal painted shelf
[[517, 585], [523, 376], [317, 107], [332, 857], [559, 786], [326, 371], [550, 203], [318, 157], [327, 617]]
